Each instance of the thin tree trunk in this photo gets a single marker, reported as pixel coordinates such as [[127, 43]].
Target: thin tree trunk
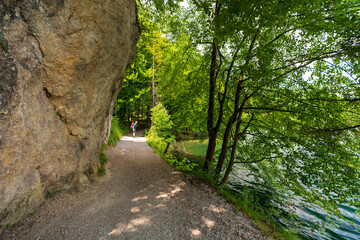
[[167, 147], [138, 111], [153, 82], [225, 144], [233, 151], [210, 151], [210, 117]]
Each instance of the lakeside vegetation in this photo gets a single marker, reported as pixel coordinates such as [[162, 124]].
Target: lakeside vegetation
[[118, 129], [273, 85], [247, 202]]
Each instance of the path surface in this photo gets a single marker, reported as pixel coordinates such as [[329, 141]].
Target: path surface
[[141, 197]]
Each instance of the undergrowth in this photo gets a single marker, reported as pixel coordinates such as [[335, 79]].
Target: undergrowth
[[118, 129], [103, 160]]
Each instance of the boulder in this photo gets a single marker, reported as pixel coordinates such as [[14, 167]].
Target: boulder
[[61, 67]]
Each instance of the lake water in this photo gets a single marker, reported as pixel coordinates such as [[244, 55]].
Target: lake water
[[309, 215]]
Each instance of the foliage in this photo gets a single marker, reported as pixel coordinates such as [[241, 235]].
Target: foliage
[[277, 82], [162, 125], [183, 165], [117, 130], [181, 88], [160, 132], [292, 88], [136, 89]]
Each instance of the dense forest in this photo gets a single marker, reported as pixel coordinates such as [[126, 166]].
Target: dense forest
[[273, 85]]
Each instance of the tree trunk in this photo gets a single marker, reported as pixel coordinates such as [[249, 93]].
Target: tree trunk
[[210, 117], [232, 156], [153, 82], [167, 147], [210, 151], [224, 145]]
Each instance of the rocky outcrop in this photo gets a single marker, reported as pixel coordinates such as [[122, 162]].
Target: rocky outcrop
[[61, 67]]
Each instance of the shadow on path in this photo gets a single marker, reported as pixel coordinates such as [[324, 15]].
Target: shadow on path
[[142, 197]]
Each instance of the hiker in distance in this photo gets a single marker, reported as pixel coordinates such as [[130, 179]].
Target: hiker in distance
[[133, 126]]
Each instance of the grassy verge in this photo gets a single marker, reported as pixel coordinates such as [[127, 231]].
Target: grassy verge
[[117, 130], [246, 202], [103, 160]]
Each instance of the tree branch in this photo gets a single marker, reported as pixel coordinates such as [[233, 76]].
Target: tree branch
[[255, 161], [271, 109]]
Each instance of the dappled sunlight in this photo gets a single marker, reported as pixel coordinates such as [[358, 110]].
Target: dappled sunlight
[[146, 207], [132, 139], [139, 198], [172, 193], [164, 207], [195, 232], [208, 222], [176, 190], [162, 195], [135, 209], [131, 226], [161, 205], [213, 208]]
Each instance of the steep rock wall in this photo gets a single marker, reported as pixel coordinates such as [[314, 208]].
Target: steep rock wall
[[61, 67]]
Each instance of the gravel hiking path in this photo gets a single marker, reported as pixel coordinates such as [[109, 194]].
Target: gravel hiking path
[[141, 197]]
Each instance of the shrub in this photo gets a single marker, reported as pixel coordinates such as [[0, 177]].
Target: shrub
[[183, 165], [160, 132]]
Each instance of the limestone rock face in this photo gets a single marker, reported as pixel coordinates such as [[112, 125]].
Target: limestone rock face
[[61, 67]]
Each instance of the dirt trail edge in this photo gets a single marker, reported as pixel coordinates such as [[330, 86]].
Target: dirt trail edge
[[141, 197]]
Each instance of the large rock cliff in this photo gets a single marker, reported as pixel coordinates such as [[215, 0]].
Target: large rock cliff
[[61, 67]]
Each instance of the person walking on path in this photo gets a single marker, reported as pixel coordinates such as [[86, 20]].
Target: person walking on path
[[134, 128]]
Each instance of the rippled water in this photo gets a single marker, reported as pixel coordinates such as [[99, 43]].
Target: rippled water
[[309, 215]]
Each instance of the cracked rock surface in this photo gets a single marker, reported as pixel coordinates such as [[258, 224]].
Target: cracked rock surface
[[61, 67]]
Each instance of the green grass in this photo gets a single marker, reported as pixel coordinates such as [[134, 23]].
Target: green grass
[[101, 171], [103, 160], [195, 146], [103, 147], [117, 130], [102, 157]]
